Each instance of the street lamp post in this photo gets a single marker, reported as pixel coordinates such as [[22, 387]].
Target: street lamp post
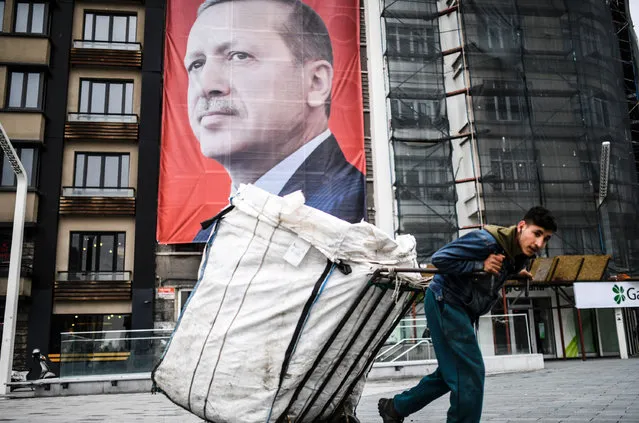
[[15, 261]]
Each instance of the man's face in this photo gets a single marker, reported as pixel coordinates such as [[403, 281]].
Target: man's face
[[246, 89], [532, 238]]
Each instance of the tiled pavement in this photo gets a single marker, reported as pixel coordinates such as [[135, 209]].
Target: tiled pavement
[[597, 390]]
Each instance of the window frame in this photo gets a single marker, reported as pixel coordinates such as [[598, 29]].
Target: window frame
[[25, 86], [3, 7], [103, 164], [496, 98], [108, 83], [522, 171], [45, 16], [32, 177], [499, 37], [97, 234], [415, 38], [414, 110], [600, 112], [110, 15], [180, 301]]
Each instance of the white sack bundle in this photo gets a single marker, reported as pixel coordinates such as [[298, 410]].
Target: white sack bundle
[[277, 329]]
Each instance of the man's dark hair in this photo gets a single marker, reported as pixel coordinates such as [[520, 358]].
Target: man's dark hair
[[541, 216], [304, 33]]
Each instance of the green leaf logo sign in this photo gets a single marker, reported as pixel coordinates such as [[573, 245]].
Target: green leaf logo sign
[[619, 294]]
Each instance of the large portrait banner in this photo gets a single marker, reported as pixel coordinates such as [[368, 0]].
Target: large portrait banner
[[266, 92]]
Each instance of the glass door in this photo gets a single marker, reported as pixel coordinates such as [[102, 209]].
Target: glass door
[[543, 327]]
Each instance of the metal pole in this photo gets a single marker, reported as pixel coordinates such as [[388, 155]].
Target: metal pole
[[561, 325], [15, 262], [505, 301], [581, 335]]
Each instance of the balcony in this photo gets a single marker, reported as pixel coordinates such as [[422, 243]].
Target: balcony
[[102, 53], [97, 201], [99, 126], [93, 286]]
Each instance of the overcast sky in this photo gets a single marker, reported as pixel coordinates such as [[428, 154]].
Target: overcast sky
[[634, 13]]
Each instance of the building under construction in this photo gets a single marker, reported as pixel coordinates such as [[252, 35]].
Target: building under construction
[[497, 106]]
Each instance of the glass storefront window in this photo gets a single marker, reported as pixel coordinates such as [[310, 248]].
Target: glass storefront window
[[85, 323]]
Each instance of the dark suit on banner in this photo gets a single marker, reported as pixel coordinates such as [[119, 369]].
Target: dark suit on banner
[[329, 183]]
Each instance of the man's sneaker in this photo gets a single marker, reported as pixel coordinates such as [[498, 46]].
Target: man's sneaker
[[387, 411]]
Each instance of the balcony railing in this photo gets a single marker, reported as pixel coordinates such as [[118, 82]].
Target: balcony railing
[[97, 201], [102, 117], [93, 286], [98, 192], [103, 53], [101, 126], [73, 276], [107, 45], [114, 352]]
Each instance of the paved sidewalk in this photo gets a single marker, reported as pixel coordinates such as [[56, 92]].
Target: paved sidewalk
[[597, 390]]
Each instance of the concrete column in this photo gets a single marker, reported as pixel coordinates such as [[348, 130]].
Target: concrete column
[[380, 140]]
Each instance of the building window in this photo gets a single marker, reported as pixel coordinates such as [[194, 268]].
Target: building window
[[95, 170], [25, 90], [600, 116], [29, 158], [410, 112], [97, 252], [1, 16], [31, 17], [592, 108], [106, 97], [110, 28], [498, 36], [425, 179], [591, 41], [61, 323], [505, 103], [407, 40], [512, 170], [182, 298]]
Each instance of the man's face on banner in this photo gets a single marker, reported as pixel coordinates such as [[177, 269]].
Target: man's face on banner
[[245, 87]]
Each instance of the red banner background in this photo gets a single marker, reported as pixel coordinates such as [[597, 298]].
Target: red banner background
[[194, 188]]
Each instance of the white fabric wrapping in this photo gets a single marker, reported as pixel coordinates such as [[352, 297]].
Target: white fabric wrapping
[[227, 360]]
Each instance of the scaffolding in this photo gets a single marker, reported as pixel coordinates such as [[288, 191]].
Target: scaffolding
[[424, 181], [544, 83]]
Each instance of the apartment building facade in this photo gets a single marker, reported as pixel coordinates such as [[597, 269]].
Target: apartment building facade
[[25, 52], [81, 80]]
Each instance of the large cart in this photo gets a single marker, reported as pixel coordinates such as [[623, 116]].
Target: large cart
[[290, 309]]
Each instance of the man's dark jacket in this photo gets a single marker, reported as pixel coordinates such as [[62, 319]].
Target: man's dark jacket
[[329, 183], [460, 261]]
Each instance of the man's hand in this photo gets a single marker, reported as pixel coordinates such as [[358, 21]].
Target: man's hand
[[525, 274], [493, 263]]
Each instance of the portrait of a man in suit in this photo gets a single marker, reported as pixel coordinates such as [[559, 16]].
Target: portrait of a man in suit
[[260, 74]]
